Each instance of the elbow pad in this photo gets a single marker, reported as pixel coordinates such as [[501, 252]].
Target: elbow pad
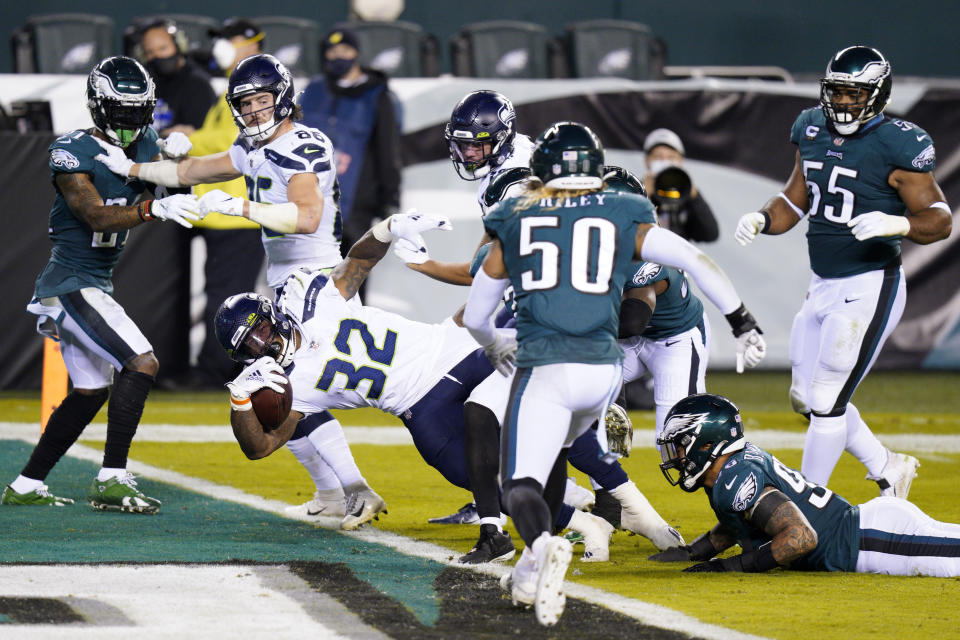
[[162, 173], [276, 217], [634, 317]]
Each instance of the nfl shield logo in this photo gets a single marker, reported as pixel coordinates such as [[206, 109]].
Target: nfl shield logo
[[838, 141]]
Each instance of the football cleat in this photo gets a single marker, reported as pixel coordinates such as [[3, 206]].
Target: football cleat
[[362, 506], [638, 516], [897, 475], [555, 556], [40, 496], [596, 534], [577, 496], [121, 494], [521, 583], [493, 546], [619, 429], [467, 514], [324, 503]]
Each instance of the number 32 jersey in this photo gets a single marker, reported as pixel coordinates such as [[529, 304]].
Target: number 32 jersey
[[267, 170], [847, 176], [356, 356]]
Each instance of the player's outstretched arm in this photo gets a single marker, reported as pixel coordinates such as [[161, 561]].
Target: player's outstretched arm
[[254, 441], [85, 202], [485, 295], [184, 172], [718, 539], [781, 213]]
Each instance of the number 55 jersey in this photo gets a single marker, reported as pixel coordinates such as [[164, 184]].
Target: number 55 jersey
[[847, 176], [354, 356]]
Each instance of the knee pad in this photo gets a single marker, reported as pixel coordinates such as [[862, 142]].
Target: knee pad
[[840, 339], [798, 399]]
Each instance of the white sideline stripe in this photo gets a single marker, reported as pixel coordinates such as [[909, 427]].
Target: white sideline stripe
[[651, 614], [764, 438]]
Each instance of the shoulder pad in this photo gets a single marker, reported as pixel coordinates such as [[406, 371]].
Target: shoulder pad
[[503, 181]]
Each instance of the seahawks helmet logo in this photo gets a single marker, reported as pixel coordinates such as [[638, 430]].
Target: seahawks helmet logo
[[644, 274]]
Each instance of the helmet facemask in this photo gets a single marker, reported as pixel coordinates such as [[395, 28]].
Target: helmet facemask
[[258, 131], [260, 74], [474, 169], [856, 88], [121, 99], [480, 118], [249, 327]]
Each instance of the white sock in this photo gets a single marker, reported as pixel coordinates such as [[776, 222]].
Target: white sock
[[331, 444], [24, 484], [493, 521], [106, 473], [863, 445], [320, 472], [826, 438]]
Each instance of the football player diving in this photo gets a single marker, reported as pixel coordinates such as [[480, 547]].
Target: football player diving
[[106, 354], [864, 181], [779, 517]]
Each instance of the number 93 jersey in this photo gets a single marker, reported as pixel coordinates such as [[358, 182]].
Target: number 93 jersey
[[568, 259], [847, 176], [749, 471], [355, 356], [267, 170]]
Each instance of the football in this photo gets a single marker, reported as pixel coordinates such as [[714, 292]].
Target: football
[[272, 408]]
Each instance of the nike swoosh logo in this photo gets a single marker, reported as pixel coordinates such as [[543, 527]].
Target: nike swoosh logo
[[311, 150], [670, 343], [919, 138], [849, 300], [314, 513], [730, 484], [359, 509]]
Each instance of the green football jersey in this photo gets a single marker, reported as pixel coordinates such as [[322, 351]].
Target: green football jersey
[[847, 176], [677, 309], [568, 259], [835, 520], [82, 257]]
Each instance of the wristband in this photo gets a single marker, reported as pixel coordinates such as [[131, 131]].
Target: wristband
[[143, 210], [240, 404], [381, 231], [941, 205], [766, 221], [741, 321]]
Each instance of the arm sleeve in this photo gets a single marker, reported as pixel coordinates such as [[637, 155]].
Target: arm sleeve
[[701, 223], [485, 295], [667, 248]]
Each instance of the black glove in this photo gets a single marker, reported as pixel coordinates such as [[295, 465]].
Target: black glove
[[716, 566], [673, 554]]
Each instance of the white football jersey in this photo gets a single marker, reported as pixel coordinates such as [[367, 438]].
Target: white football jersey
[[353, 356], [520, 157], [267, 171]]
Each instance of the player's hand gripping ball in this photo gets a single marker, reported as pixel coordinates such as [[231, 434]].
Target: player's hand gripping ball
[[271, 407]]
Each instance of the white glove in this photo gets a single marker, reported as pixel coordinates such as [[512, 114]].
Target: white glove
[[751, 348], [411, 252], [749, 226], [263, 373], [114, 159], [181, 208], [502, 352], [877, 224], [221, 202], [411, 224], [175, 145]]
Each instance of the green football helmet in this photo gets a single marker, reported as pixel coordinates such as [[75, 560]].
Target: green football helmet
[[621, 180], [862, 72], [568, 155], [696, 431], [121, 98]]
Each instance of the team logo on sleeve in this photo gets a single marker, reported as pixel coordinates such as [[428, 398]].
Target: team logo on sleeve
[[746, 492], [811, 132], [65, 159], [927, 156], [644, 274]]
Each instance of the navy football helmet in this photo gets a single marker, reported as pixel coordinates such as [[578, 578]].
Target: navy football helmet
[[257, 74], [863, 72], [480, 118], [568, 155], [696, 431], [619, 179], [248, 327], [121, 98]]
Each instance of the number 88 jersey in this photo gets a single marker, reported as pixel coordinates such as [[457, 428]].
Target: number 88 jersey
[[847, 176]]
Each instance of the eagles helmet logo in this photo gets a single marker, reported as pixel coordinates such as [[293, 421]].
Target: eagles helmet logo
[[927, 156], [63, 158], [646, 273], [746, 492]]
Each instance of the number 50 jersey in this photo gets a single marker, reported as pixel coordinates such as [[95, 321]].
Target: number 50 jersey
[[267, 170], [355, 356], [847, 176]]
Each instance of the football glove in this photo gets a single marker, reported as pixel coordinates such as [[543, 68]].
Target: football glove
[[411, 224], [181, 208], [263, 373], [877, 224], [751, 348], [673, 554], [749, 226], [221, 202], [502, 352], [114, 159], [175, 145], [411, 252], [712, 566]]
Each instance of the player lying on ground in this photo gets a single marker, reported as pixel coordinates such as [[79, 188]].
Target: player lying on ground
[[779, 518]]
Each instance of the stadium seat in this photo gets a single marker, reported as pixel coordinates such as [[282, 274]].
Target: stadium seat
[[500, 49], [399, 49], [195, 28], [613, 48], [294, 42], [61, 43]]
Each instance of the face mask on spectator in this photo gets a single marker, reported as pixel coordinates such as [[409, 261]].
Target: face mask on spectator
[[163, 66], [338, 67], [224, 53], [659, 165]]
